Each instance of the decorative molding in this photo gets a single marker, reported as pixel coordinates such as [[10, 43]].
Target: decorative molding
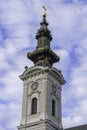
[[55, 95], [34, 92], [56, 74]]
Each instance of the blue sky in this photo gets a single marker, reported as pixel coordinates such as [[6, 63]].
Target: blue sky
[[19, 21]]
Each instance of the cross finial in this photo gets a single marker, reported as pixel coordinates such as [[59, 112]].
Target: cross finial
[[44, 13]]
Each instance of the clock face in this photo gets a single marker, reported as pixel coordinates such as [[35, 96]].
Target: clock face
[[34, 85], [54, 88]]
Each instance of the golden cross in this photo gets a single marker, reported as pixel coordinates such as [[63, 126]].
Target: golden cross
[[44, 13]]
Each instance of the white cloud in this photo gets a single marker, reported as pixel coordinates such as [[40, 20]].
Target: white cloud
[[11, 111], [77, 116], [64, 60], [77, 90], [13, 12]]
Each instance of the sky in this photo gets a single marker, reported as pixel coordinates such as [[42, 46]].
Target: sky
[[19, 22]]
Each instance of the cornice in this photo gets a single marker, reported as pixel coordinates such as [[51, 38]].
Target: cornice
[[37, 71]]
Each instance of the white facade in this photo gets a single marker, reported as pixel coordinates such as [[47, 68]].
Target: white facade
[[48, 89]]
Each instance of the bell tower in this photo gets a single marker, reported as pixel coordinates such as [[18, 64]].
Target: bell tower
[[41, 107]]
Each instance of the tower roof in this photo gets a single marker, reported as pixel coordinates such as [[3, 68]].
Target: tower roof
[[44, 31], [43, 55]]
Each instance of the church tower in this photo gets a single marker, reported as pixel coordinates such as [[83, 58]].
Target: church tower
[[41, 108]]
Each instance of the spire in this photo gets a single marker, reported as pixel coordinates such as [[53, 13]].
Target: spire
[[44, 31], [43, 34], [43, 55]]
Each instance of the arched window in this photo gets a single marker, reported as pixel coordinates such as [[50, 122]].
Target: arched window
[[34, 106], [53, 107]]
